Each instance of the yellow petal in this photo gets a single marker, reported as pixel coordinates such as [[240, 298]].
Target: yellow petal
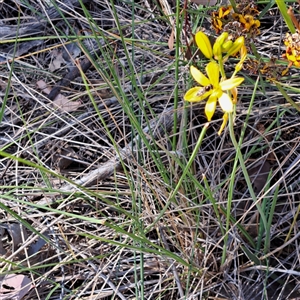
[[212, 70], [243, 54], [226, 103], [234, 94], [225, 119], [204, 44], [192, 95], [199, 76], [226, 12], [290, 57], [231, 83], [210, 107]]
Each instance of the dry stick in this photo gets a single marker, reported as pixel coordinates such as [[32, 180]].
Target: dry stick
[[33, 29], [39, 27], [156, 128], [65, 81]]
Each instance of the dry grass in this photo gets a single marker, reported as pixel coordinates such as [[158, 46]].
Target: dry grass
[[88, 206]]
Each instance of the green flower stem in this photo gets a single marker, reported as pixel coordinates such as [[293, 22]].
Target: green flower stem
[[232, 179], [270, 219], [178, 31], [247, 178], [234, 73], [222, 71], [230, 195]]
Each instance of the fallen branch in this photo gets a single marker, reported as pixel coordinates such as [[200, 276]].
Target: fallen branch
[[40, 26]]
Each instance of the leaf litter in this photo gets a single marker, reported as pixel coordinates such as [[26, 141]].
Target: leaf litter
[[72, 142]]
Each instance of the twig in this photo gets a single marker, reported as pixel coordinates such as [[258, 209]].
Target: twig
[[66, 80], [157, 127]]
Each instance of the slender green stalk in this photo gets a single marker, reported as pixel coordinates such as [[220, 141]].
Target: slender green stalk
[[270, 219], [230, 193], [266, 207], [233, 4], [221, 65], [284, 12], [239, 158], [244, 169], [287, 97]]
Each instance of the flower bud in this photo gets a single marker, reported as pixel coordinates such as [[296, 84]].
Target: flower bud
[[217, 48], [204, 44], [243, 53], [226, 46], [236, 46]]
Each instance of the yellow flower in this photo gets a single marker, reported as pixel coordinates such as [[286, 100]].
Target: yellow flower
[[211, 88], [251, 22], [227, 45], [248, 21], [292, 44], [219, 17]]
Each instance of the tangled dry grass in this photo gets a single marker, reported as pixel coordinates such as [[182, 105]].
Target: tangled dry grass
[[88, 208]]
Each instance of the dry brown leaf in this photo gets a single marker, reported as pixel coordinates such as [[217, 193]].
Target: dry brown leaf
[[64, 104], [66, 55], [171, 39], [60, 102], [63, 159], [57, 60], [41, 84], [17, 233], [14, 286]]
